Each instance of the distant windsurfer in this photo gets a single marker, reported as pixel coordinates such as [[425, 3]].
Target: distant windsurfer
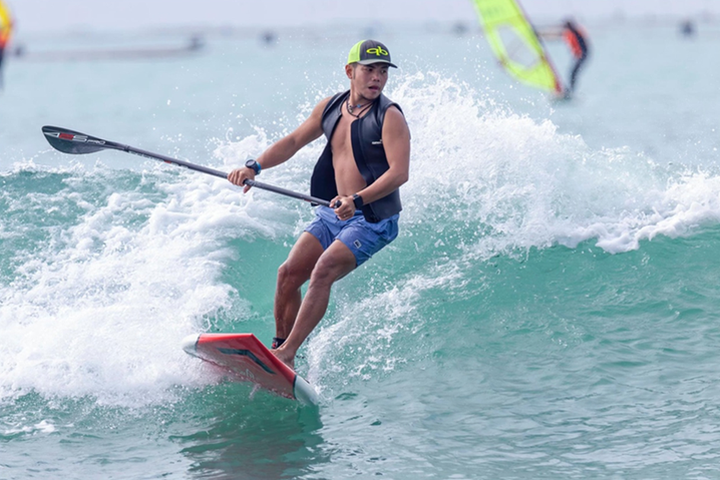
[[360, 171], [577, 40]]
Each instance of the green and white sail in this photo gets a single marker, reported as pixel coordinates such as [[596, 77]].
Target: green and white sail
[[516, 44]]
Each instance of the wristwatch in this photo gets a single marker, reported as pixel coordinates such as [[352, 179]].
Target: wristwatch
[[254, 165], [358, 201]]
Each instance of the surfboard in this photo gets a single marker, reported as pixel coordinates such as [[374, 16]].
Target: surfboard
[[246, 359]]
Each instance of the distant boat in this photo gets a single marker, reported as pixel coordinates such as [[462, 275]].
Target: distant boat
[[195, 44], [516, 44]]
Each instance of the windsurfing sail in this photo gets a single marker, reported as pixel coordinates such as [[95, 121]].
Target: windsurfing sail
[[5, 24], [516, 44]]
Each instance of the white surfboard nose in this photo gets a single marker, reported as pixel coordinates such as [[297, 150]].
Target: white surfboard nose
[[189, 343], [304, 392]]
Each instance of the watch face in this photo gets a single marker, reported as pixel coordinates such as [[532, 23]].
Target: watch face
[[254, 165]]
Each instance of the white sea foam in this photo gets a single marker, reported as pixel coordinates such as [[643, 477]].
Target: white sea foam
[[486, 181], [524, 184], [44, 426], [102, 309]]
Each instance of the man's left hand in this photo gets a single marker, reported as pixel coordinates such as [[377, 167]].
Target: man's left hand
[[346, 209]]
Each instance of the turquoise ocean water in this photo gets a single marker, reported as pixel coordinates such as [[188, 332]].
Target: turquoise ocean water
[[550, 309]]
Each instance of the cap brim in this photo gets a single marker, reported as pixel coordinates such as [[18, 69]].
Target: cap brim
[[372, 61]]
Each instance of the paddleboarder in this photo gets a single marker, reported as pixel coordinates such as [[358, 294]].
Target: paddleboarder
[[364, 163]]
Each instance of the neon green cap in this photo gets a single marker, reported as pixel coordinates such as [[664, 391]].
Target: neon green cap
[[367, 52]]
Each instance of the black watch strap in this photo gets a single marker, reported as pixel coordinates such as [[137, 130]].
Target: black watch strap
[[358, 201]]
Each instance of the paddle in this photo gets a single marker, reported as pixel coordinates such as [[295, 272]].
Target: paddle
[[69, 141]]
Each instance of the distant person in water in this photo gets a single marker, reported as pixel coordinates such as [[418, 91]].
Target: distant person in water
[[687, 29], [196, 43], [576, 38]]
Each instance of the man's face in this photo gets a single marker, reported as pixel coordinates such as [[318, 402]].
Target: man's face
[[368, 80]]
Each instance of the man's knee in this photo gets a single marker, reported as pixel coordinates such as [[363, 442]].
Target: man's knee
[[331, 268], [322, 275], [290, 276]]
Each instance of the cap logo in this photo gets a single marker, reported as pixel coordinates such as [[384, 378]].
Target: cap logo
[[379, 51]]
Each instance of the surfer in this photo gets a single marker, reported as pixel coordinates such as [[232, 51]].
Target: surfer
[[360, 171], [576, 39]]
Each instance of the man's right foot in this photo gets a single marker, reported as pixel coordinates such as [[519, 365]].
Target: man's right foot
[[284, 357]]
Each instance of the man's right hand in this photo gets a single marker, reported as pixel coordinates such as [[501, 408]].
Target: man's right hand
[[239, 175]]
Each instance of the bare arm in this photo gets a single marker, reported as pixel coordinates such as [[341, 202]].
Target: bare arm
[[282, 150]]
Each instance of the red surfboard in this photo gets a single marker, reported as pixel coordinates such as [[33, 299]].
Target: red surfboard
[[247, 359]]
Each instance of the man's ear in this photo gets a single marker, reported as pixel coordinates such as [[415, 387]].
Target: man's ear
[[349, 71]]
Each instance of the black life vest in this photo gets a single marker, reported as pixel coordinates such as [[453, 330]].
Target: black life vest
[[366, 140]]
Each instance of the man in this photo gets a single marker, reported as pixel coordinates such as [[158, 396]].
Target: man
[[366, 160], [576, 39]]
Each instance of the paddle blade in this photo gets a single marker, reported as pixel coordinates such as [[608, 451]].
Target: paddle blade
[[69, 141]]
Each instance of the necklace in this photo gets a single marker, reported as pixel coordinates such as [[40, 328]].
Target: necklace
[[362, 108]]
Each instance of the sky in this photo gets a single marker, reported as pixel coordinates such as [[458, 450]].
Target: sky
[[45, 16]]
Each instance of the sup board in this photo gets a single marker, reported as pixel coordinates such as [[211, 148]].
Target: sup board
[[247, 359]]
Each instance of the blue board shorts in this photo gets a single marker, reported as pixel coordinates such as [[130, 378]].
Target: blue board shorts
[[363, 238]]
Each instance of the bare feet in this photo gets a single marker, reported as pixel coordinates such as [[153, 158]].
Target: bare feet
[[284, 357]]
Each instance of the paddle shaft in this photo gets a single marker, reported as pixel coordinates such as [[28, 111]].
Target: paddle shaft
[[218, 173], [70, 141]]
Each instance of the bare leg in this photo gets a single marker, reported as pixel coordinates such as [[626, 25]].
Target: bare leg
[[575, 71], [336, 262], [291, 276]]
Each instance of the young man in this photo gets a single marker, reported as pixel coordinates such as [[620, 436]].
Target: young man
[[366, 160]]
